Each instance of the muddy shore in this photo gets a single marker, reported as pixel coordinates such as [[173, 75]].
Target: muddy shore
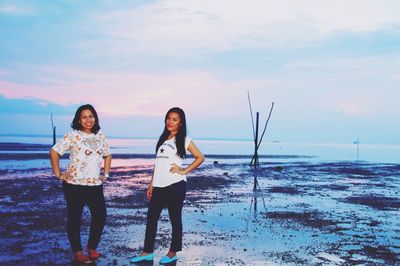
[[332, 213]]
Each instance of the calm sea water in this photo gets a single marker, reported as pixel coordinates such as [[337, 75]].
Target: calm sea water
[[274, 150]]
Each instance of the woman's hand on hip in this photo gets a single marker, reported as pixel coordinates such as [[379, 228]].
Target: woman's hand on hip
[[176, 169], [65, 176]]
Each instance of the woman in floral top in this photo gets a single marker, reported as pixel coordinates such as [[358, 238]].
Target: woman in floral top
[[82, 181]]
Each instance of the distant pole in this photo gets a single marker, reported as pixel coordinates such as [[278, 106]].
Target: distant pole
[[256, 141], [53, 129], [357, 142], [251, 113], [256, 154], [358, 148], [54, 136]]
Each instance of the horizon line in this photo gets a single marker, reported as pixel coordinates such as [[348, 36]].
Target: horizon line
[[201, 138]]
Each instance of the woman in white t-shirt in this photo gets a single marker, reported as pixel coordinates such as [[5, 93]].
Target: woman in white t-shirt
[[168, 184], [82, 181]]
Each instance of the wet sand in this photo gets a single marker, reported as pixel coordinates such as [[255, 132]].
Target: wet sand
[[303, 213]]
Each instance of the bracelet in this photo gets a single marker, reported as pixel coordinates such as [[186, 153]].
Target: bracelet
[[106, 175]]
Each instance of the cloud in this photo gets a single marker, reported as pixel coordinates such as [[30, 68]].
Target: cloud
[[4, 72], [348, 85], [350, 107], [352, 86], [395, 76], [11, 9], [177, 28], [324, 63], [121, 92], [307, 83], [127, 93], [33, 106]]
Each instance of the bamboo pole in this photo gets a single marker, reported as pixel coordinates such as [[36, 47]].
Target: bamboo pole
[[53, 129]]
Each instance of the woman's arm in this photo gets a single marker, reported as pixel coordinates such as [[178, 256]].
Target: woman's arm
[[149, 192], [55, 165], [55, 162], [107, 167], [198, 159], [107, 164]]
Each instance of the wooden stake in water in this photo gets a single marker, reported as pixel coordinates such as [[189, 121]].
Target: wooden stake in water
[[254, 160], [53, 129], [256, 141], [358, 148], [255, 156]]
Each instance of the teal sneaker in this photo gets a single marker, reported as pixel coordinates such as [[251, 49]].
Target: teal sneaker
[[166, 259], [139, 258]]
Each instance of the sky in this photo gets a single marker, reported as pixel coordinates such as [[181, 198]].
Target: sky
[[332, 68]]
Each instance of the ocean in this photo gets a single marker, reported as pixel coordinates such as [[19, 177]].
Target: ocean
[[372, 153]]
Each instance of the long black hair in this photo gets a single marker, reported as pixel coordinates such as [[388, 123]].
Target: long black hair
[[180, 135], [75, 123]]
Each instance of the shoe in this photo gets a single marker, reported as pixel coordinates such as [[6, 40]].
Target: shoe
[[166, 259], [93, 254], [140, 258], [81, 258]]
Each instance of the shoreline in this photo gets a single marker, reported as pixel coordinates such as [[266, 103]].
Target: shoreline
[[218, 149], [304, 213]]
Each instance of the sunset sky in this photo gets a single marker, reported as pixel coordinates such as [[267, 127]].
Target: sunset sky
[[331, 67]]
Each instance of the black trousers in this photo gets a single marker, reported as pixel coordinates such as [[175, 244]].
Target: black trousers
[[171, 197], [77, 197]]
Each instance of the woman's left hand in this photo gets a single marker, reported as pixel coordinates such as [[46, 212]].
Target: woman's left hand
[[176, 169]]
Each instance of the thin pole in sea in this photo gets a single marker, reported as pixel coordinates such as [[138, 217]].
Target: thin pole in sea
[[357, 142], [257, 142], [53, 128], [255, 164]]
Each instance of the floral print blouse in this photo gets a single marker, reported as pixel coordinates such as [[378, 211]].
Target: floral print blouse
[[86, 156]]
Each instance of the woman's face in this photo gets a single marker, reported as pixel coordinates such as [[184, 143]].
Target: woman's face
[[173, 122], [87, 120]]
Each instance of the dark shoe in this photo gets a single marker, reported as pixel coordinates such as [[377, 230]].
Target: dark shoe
[[93, 254], [81, 258]]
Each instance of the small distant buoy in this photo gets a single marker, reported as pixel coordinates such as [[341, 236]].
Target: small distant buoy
[[215, 162], [225, 173]]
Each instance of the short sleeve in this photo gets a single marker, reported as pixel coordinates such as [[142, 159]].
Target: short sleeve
[[63, 144], [106, 144], [187, 142]]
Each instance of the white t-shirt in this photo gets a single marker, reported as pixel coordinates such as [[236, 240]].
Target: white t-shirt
[[166, 156], [86, 156]]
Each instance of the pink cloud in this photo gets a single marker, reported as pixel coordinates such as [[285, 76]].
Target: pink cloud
[[130, 93], [350, 107]]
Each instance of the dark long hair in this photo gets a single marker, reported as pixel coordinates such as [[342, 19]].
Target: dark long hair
[[75, 123], [180, 135]]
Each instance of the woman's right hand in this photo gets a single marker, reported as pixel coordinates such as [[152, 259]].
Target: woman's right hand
[[65, 177], [149, 193]]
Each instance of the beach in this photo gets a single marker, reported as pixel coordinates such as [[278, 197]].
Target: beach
[[302, 212]]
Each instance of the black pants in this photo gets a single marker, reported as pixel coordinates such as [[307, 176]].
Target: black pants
[[171, 197], [77, 197]]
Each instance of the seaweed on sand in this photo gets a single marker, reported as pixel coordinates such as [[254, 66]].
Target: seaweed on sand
[[378, 202]]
